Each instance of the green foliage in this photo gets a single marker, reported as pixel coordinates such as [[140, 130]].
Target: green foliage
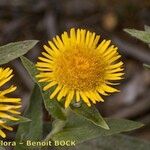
[[115, 142], [147, 28], [21, 120], [146, 66], [141, 35], [80, 129], [92, 114], [14, 50], [52, 106], [31, 130]]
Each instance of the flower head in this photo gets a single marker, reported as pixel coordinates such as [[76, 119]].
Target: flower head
[[79, 67], [8, 106]]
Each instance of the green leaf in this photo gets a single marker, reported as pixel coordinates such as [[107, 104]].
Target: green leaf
[[141, 35], [14, 50], [21, 120], [79, 129], [146, 66], [2, 148], [47, 128], [31, 69], [92, 114], [57, 126], [52, 105], [147, 28], [115, 142], [31, 130]]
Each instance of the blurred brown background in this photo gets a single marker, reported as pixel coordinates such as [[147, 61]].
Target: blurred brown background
[[43, 19]]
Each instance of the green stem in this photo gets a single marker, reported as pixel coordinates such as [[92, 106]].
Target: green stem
[[58, 125]]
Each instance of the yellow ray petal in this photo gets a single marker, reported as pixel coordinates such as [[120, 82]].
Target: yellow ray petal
[[91, 40], [97, 96], [14, 112], [50, 51], [44, 75], [112, 49], [100, 45], [5, 80], [45, 65], [115, 70], [77, 96], [78, 36], [118, 74], [45, 80], [87, 38], [105, 46], [48, 86], [90, 96], [9, 90], [7, 107], [101, 91], [6, 116], [85, 99], [45, 60], [45, 69], [73, 35], [47, 55], [83, 32], [96, 40], [57, 89], [2, 134], [58, 42], [5, 73], [53, 47], [6, 127], [69, 98], [62, 93], [10, 100], [65, 39], [109, 89]]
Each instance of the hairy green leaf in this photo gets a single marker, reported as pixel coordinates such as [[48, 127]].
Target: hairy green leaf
[[13, 123], [146, 66], [141, 35], [21, 120], [52, 105], [79, 129], [31, 130], [92, 114], [14, 50], [147, 28], [57, 126], [115, 142], [31, 69]]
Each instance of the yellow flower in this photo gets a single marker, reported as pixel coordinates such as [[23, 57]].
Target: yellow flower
[[79, 67], [8, 106]]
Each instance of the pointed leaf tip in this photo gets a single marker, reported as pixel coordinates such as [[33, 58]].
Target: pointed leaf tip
[[14, 50]]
